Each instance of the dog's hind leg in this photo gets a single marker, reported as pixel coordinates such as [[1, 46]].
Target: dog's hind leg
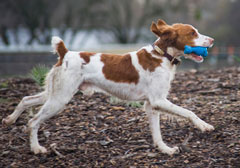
[[54, 105], [153, 117], [25, 103], [49, 109]]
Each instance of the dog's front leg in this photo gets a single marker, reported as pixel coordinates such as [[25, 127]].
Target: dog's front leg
[[153, 117], [167, 106]]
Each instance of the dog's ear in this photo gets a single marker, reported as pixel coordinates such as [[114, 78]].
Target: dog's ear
[[163, 30], [154, 29], [168, 32], [168, 35], [161, 23]]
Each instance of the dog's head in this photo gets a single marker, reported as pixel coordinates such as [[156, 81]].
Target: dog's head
[[178, 35]]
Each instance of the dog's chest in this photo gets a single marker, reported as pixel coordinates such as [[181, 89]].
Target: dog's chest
[[159, 81]]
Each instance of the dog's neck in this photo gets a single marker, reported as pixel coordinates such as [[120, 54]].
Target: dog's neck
[[160, 48], [171, 53]]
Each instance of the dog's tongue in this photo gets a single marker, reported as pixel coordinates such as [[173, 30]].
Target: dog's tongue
[[197, 57]]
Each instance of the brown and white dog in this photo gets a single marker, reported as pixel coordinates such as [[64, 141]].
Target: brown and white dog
[[143, 75]]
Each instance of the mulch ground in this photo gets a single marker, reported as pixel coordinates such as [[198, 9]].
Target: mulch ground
[[91, 132]]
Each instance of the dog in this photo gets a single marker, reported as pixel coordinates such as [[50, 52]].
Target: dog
[[143, 75]]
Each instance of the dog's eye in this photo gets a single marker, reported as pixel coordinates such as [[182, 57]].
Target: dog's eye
[[194, 33]]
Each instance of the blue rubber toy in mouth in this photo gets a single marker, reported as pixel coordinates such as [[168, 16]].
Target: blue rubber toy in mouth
[[201, 51]]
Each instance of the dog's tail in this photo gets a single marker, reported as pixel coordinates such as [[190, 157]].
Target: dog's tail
[[59, 48]]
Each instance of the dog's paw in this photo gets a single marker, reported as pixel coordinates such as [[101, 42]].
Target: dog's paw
[[170, 151], [8, 120], [38, 149], [203, 126], [207, 127]]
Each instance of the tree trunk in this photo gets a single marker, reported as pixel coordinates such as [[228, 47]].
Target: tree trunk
[[3, 33]]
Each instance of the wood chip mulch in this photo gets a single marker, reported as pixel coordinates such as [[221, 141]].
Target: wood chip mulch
[[91, 132]]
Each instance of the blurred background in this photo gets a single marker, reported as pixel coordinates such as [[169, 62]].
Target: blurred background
[[114, 26]]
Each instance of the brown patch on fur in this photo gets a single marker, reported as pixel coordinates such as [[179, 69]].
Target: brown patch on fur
[[186, 35], [148, 62], [61, 50], [119, 68], [86, 56]]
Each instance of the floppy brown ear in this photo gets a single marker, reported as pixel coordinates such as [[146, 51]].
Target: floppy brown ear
[[161, 23], [165, 31], [154, 29], [168, 37], [160, 27], [168, 33]]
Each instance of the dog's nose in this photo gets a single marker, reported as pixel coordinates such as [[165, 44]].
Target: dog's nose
[[211, 40]]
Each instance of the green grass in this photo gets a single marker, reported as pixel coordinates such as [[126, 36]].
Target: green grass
[[136, 104], [237, 58], [38, 74], [4, 85]]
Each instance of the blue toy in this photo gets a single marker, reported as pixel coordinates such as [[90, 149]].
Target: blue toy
[[201, 51]]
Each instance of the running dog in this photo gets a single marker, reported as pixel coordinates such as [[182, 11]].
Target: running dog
[[143, 75]]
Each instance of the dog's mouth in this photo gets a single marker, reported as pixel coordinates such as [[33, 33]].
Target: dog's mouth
[[194, 57]]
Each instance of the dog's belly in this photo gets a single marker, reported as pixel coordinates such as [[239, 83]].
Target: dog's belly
[[127, 94], [120, 90]]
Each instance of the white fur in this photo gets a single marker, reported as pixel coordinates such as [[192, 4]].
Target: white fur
[[62, 82], [55, 41], [203, 40]]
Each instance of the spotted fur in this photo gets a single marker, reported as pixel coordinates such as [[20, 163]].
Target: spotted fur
[[143, 75]]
